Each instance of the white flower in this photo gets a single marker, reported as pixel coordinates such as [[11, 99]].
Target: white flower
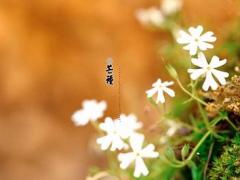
[[150, 17], [129, 125], [137, 155], [114, 136], [208, 71], [159, 87], [91, 111], [117, 131], [196, 40], [171, 6], [173, 127]]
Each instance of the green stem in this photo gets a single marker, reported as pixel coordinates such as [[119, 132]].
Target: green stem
[[197, 147], [230, 122], [180, 164], [189, 93], [209, 156], [205, 119]]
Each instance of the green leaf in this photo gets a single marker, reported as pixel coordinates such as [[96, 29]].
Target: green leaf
[[185, 151]]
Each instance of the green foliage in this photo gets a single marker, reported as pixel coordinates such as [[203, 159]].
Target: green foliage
[[228, 164]]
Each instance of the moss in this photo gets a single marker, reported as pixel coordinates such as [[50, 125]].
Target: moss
[[228, 164]]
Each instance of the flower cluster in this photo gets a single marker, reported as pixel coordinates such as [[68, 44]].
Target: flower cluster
[[91, 111], [196, 42], [120, 135], [155, 16]]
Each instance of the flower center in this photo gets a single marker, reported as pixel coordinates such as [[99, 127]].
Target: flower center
[[197, 39], [208, 68], [137, 154]]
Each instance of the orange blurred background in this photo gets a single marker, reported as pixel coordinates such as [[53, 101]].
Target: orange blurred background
[[53, 56]]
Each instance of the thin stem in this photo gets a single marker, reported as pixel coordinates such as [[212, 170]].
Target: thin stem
[[179, 164], [190, 94], [205, 119], [197, 146], [209, 156], [230, 122], [184, 163]]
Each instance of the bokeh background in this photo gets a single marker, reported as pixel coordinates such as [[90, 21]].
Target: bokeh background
[[53, 56]]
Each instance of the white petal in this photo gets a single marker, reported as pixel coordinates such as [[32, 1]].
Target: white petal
[[183, 37], [117, 143], [140, 168], [160, 96], [169, 91], [157, 83], [196, 73], [148, 152], [208, 37], [220, 75], [104, 142], [88, 103], [94, 109], [167, 83], [196, 32], [204, 46], [209, 82], [80, 118], [136, 142], [128, 125], [202, 58], [108, 125], [199, 62], [126, 159], [151, 92], [215, 62], [103, 105], [192, 47]]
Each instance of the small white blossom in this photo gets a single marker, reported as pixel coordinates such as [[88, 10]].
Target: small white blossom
[[173, 127], [91, 111], [137, 155], [129, 125], [196, 40], [208, 71], [114, 137], [159, 88], [117, 131], [150, 17], [171, 6]]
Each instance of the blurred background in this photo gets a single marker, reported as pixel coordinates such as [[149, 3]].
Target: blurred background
[[53, 56]]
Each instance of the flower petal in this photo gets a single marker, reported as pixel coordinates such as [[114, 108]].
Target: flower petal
[[80, 118], [126, 159], [183, 37], [215, 62], [209, 82], [208, 37], [169, 91], [136, 142], [148, 152], [220, 75], [196, 32], [204, 46], [151, 92], [117, 143], [108, 125], [160, 96], [196, 73], [104, 142], [140, 168], [167, 83]]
